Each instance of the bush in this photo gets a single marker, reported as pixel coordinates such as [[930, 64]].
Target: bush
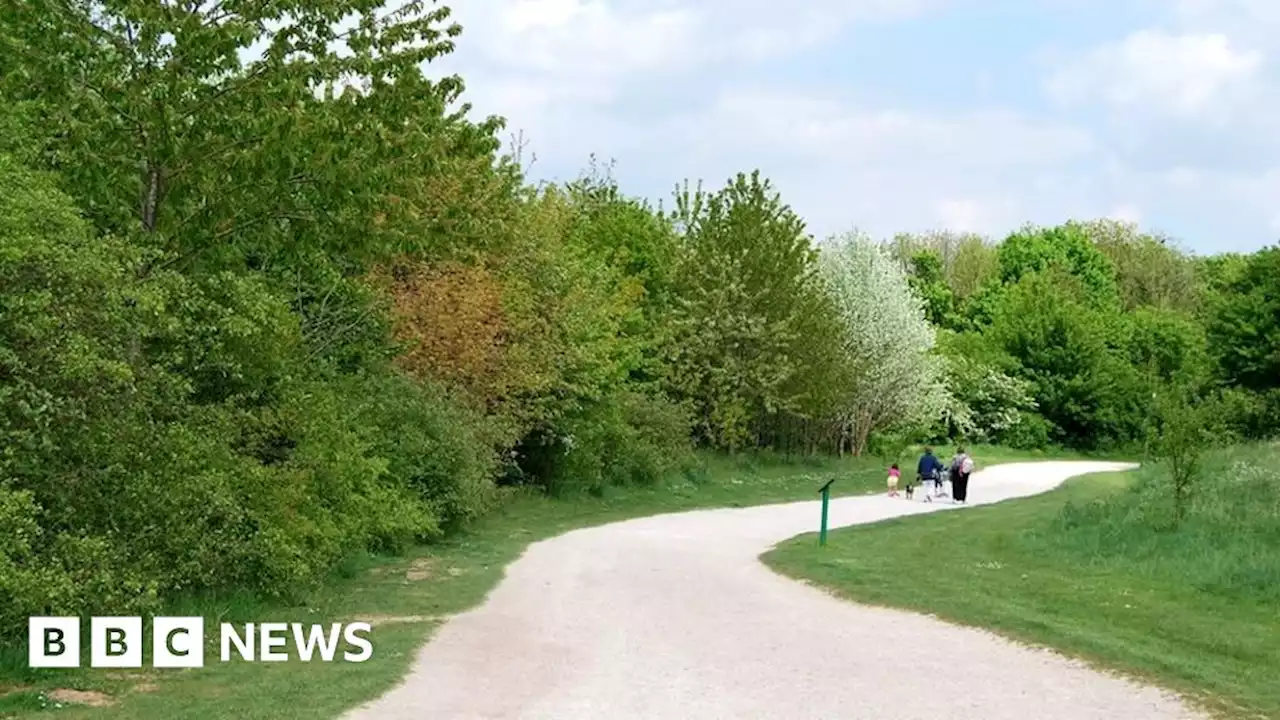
[[629, 438], [166, 435]]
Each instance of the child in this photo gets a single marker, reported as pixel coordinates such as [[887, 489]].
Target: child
[[894, 475]]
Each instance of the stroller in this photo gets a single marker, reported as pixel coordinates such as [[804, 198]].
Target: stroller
[[936, 486]]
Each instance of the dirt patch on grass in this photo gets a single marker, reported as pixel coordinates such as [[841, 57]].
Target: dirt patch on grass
[[14, 689], [81, 697], [147, 687], [419, 570]]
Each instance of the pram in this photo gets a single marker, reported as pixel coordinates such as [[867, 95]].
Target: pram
[[936, 486]]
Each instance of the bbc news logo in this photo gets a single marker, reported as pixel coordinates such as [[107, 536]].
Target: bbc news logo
[[179, 642]]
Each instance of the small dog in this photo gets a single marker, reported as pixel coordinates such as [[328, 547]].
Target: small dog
[[911, 490]]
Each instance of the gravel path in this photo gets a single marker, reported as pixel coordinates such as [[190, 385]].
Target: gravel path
[[674, 617]]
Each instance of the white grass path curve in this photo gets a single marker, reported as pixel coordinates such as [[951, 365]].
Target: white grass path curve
[[674, 616]]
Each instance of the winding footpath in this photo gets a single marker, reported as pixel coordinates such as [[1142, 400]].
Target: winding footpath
[[674, 617]]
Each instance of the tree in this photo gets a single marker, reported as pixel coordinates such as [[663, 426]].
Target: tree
[[891, 378], [746, 268], [1066, 247], [1185, 427], [996, 404], [1244, 323], [929, 283], [968, 260], [160, 129], [1060, 344], [1150, 271]]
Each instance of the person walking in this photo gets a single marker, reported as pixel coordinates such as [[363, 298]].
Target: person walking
[[961, 469], [894, 475], [929, 473]]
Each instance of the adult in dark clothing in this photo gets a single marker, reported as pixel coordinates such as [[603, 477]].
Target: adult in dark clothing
[[961, 468], [929, 470]]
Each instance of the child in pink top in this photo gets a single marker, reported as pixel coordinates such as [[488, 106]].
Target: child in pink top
[[894, 475]]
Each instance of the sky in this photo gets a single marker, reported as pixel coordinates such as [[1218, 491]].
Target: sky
[[888, 116]]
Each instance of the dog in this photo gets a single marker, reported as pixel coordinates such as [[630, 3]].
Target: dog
[[911, 489]]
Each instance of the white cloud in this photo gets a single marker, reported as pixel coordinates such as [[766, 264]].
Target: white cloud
[[558, 46], [1189, 75], [675, 88], [588, 37], [1252, 22], [843, 163]]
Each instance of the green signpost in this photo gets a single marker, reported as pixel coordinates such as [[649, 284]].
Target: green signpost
[[826, 500]]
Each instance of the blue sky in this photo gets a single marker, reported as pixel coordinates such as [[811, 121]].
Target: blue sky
[[906, 115]]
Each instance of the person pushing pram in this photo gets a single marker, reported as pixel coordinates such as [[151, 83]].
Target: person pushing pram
[[931, 474]]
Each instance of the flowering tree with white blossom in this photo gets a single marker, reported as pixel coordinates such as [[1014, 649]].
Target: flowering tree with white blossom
[[891, 378]]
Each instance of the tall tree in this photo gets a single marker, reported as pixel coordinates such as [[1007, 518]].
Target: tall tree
[[745, 269], [1151, 271], [162, 130], [968, 260], [891, 377], [929, 283], [1048, 324], [1245, 323], [1067, 248]]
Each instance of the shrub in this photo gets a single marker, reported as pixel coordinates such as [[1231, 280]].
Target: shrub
[[167, 434], [629, 438]]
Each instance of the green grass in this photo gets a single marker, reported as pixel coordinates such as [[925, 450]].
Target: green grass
[[1096, 570]]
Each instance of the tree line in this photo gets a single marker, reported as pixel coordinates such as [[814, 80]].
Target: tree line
[[260, 311]]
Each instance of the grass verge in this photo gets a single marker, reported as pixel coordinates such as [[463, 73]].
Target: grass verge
[[1087, 571], [406, 598]]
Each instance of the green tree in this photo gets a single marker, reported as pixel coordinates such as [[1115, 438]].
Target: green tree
[[1244, 323], [998, 406], [746, 267], [968, 260], [1150, 271], [929, 283], [283, 160], [1060, 343], [1067, 247], [1186, 426]]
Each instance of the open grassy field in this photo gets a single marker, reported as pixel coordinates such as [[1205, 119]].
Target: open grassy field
[[407, 597], [1096, 569]]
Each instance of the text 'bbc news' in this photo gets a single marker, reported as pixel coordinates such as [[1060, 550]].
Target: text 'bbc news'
[[179, 642]]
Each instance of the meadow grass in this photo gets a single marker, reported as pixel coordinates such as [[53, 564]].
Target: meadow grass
[[1098, 570]]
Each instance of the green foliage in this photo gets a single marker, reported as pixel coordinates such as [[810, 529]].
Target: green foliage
[[162, 130], [1066, 248], [164, 435], [1185, 426], [633, 439], [745, 276], [930, 284], [269, 299], [968, 261], [1150, 271], [1245, 323], [996, 406], [1060, 345]]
